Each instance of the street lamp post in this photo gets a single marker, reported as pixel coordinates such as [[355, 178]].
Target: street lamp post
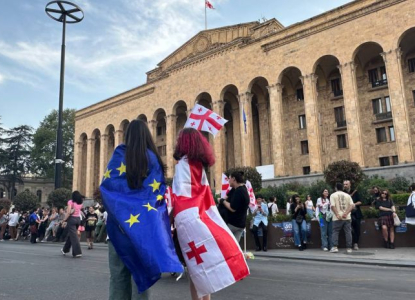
[[65, 12]]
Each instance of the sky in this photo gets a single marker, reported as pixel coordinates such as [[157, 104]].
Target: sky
[[111, 50]]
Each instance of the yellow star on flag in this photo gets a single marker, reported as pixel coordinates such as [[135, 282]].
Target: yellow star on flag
[[133, 219], [149, 207], [107, 174], [155, 185], [160, 198], [122, 169]]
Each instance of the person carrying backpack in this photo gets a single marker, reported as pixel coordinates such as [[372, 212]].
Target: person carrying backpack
[[272, 206]]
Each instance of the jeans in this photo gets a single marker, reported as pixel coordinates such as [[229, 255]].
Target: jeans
[[326, 233], [347, 226], [122, 287], [72, 240], [310, 212], [356, 230], [299, 237], [264, 235], [237, 232]]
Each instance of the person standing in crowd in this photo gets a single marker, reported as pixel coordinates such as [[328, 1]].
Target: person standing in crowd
[[309, 205], [299, 222], [43, 224], [13, 222], [411, 201], [288, 207], [72, 218], [260, 221], [91, 221], [23, 226], [341, 204], [59, 228], [3, 223], [356, 212], [326, 227], [237, 203], [375, 194], [34, 222], [272, 206], [387, 212], [54, 216]]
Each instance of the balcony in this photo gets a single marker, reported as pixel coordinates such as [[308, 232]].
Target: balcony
[[384, 116], [341, 124], [338, 93], [379, 83]]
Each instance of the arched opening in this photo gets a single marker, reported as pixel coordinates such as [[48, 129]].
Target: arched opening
[[82, 163], [294, 122], [123, 128], [407, 46], [142, 117], [96, 136], [110, 133], [39, 195], [160, 132], [232, 147], [180, 110], [1, 193], [330, 104], [374, 105]]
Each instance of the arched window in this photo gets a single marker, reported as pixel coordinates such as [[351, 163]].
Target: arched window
[[39, 195], [1, 193]]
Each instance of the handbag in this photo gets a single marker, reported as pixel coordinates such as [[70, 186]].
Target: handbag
[[396, 221], [329, 216], [299, 218], [410, 209]]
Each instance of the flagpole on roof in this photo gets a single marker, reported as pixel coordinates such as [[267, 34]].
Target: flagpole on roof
[[204, 1]]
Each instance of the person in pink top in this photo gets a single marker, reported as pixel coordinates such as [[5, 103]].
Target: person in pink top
[[72, 218]]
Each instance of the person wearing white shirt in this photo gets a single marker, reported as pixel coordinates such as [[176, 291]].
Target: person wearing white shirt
[[13, 221], [272, 206], [411, 201], [323, 206], [309, 206], [288, 207], [260, 220]]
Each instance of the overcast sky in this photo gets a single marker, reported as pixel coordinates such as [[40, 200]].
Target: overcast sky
[[112, 48]]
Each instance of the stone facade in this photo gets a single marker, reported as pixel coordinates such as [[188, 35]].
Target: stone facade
[[39, 186], [310, 93]]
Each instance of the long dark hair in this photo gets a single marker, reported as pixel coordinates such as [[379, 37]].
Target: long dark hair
[[77, 197], [137, 141]]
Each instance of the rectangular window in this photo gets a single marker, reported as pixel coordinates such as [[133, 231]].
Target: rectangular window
[[384, 161], [339, 116], [388, 104], [373, 75], [300, 94], [302, 121], [161, 150], [411, 65], [336, 87], [341, 141], [392, 133], [395, 160], [383, 73], [377, 106], [381, 135], [161, 130], [304, 147], [306, 170]]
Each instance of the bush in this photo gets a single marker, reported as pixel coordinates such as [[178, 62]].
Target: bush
[[250, 174], [343, 170], [5, 203], [365, 188], [399, 184], [316, 189], [280, 218], [400, 199], [275, 191], [370, 213], [26, 201], [59, 197]]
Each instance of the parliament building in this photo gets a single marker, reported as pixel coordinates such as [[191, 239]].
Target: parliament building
[[340, 85]]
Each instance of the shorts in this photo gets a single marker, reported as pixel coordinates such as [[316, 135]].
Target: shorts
[[89, 234]]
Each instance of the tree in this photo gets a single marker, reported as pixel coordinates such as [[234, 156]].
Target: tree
[[44, 147], [15, 156], [59, 197], [343, 170], [5, 203], [26, 201], [250, 174]]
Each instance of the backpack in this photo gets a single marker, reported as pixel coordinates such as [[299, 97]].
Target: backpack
[[270, 209]]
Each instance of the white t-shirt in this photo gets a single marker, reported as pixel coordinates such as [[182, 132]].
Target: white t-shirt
[[287, 210], [274, 207], [411, 198], [309, 204], [323, 205], [14, 219]]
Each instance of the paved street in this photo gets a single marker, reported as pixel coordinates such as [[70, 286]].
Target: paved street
[[41, 272]]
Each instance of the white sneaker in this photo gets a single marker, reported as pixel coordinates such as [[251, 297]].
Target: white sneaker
[[355, 247], [78, 256], [325, 249], [1, 240], [334, 250], [63, 252], [349, 250]]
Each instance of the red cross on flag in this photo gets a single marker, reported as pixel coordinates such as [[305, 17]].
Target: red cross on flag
[[203, 119], [225, 186], [167, 198], [252, 199], [212, 254]]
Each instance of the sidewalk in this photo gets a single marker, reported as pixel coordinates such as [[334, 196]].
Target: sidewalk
[[399, 257]]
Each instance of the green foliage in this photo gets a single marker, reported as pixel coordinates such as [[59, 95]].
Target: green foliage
[[400, 199], [280, 218], [44, 145], [399, 184], [370, 213], [5, 203], [316, 189], [275, 191], [26, 201], [365, 187], [343, 170], [250, 174], [59, 197]]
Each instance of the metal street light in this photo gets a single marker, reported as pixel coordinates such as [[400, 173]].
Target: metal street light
[[65, 12]]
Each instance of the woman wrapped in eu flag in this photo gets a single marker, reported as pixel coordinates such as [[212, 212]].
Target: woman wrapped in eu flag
[[140, 243]]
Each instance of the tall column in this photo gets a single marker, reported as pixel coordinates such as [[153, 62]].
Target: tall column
[[400, 115], [90, 168], [219, 147], [171, 121], [77, 161], [103, 151], [245, 105], [118, 137], [277, 137], [152, 125], [351, 109], [313, 129]]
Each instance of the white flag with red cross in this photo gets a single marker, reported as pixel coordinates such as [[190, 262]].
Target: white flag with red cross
[[225, 186], [203, 119], [252, 199], [213, 256], [168, 199]]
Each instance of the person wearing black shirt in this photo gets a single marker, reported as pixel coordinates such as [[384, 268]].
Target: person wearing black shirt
[[386, 214], [298, 212], [91, 221], [356, 213], [237, 203]]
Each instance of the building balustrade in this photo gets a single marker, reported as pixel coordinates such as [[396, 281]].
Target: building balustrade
[[384, 116], [380, 82], [341, 123]]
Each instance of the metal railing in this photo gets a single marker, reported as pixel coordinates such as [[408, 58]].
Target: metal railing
[[384, 116], [379, 83], [342, 123], [338, 93]]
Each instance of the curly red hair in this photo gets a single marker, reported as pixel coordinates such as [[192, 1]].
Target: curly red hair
[[195, 146]]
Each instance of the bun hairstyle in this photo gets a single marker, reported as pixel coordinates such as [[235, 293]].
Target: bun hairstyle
[[239, 176]]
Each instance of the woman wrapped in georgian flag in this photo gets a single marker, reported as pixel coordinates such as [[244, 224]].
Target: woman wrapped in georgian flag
[[213, 257]]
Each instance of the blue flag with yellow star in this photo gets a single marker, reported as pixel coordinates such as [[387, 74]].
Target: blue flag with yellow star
[[138, 225]]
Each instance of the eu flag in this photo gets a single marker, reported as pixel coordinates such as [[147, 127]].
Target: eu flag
[[138, 224]]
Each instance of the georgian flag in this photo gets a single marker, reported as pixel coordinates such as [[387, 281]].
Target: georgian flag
[[212, 254], [203, 119], [168, 199], [208, 4], [252, 199], [225, 186]]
